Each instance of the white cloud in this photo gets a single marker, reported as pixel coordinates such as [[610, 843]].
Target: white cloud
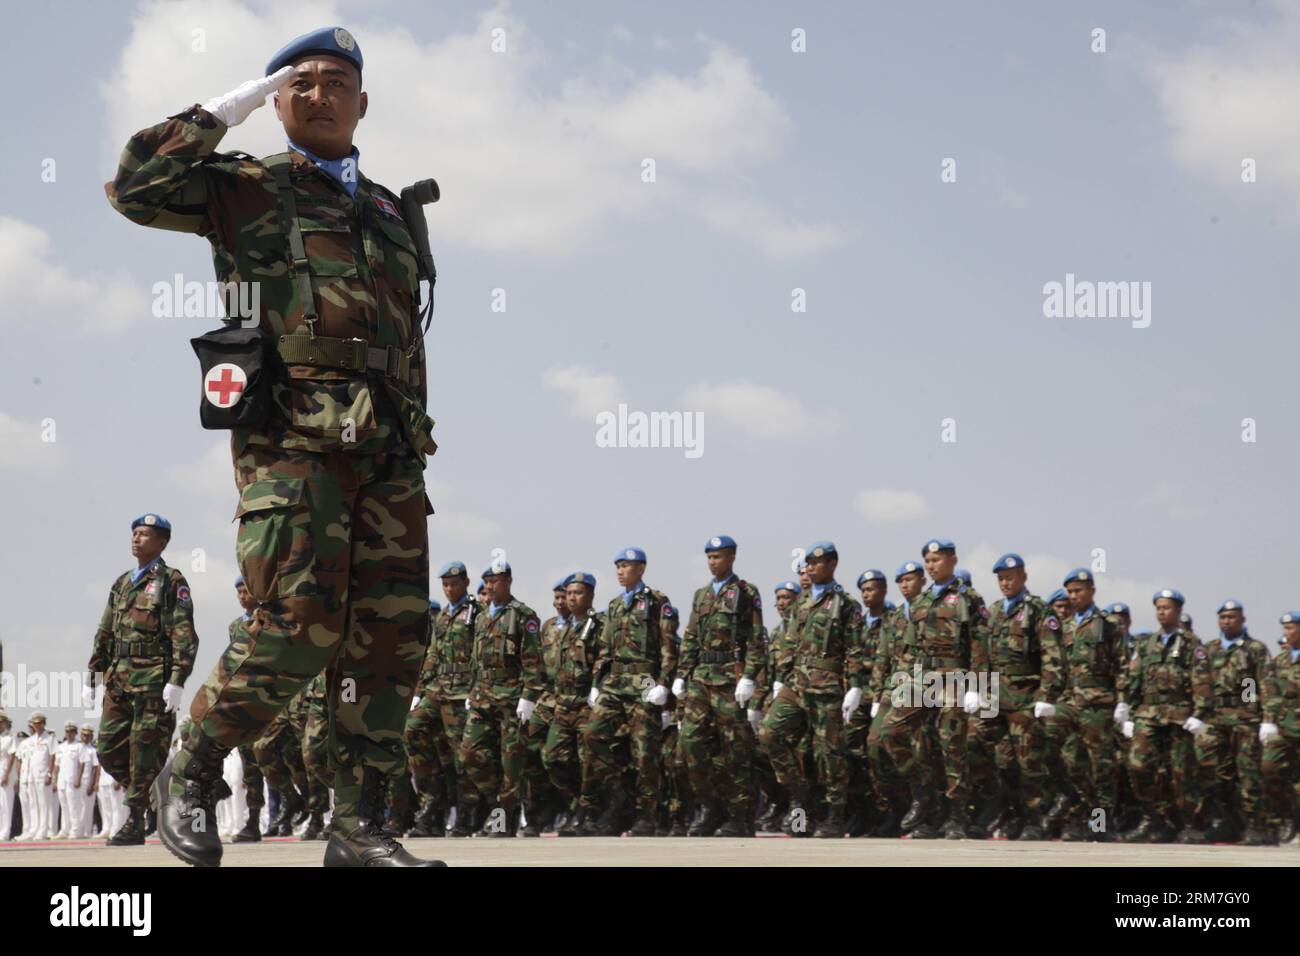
[[21, 447], [37, 289], [452, 526], [1238, 99], [591, 392], [887, 505], [759, 411], [525, 166]]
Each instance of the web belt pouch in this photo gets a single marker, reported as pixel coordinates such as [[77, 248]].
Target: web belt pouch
[[235, 366]]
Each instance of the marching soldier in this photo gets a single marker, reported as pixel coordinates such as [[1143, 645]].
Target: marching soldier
[[426, 744], [1172, 700], [1280, 733], [540, 801], [864, 788], [145, 649], [241, 632], [452, 655], [777, 667], [329, 437], [720, 656]]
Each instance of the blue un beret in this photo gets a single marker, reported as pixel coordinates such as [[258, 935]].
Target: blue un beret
[[1232, 604], [581, 577], [1078, 574], [719, 542], [937, 544], [819, 549], [870, 575], [630, 554], [793, 587], [907, 567], [889, 606], [434, 605], [239, 581], [1119, 607], [1290, 617], [1009, 562], [157, 522], [333, 41], [496, 567], [453, 569], [1058, 595], [561, 584], [1170, 593], [962, 575]]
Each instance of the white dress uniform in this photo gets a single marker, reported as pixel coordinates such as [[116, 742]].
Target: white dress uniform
[[8, 766], [89, 760], [112, 802], [43, 747], [26, 799], [67, 760]]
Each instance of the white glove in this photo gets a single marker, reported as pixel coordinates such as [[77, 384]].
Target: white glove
[[467, 703], [1194, 726], [667, 719], [971, 702], [679, 687], [744, 690], [1128, 728], [88, 696], [234, 107], [1267, 731], [415, 701], [524, 709], [1121, 713], [776, 687], [852, 701], [875, 708], [755, 718], [657, 695], [171, 697], [591, 698], [1044, 709]]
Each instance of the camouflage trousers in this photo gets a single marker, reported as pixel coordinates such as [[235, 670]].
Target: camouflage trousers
[[1090, 753], [316, 745], [675, 794], [1016, 741], [453, 717], [714, 724], [334, 547], [564, 752], [536, 780], [279, 755], [493, 750], [1228, 758], [430, 752], [135, 735], [644, 724], [789, 716], [254, 782], [1160, 745], [888, 786], [1280, 769], [922, 741]]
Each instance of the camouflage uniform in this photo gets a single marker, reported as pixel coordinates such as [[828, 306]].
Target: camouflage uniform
[[254, 782], [315, 741], [570, 663], [333, 539], [451, 660], [433, 765], [723, 642], [1167, 683], [536, 780], [1280, 762], [145, 640], [826, 633], [863, 787], [1228, 752], [891, 779], [637, 649], [506, 666]]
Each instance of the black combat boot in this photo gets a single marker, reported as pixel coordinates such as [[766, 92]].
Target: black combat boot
[[1011, 823], [609, 822], [464, 826], [1257, 835], [797, 821], [252, 832], [326, 831], [1034, 828], [1151, 829], [511, 812], [711, 816], [132, 832], [150, 822], [367, 845], [832, 825], [922, 808], [423, 825], [290, 803], [186, 805], [646, 823], [315, 824], [740, 823], [1059, 810], [574, 824], [888, 826], [679, 827], [956, 825]]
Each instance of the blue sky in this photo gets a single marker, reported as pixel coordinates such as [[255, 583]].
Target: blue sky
[[774, 171]]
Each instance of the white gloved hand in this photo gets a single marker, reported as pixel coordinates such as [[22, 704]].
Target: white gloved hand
[[1121, 713], [744, 690], [657, 695], [524, 709], [171, 697], [1044, 709], [776, 687], [467, 703], [875, 708], [415, 701], [1127, 729], [1194, 726], [88, 696], [755, 717], [852, 701], [971, 702], [591, 698], [667, 719], [234, 107], [679, 687], [1267, 731]]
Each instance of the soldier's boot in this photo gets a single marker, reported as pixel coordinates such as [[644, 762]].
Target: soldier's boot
[[533, 814], [709, 819], [252, 832], [511, 826], [832, 826], [131, 832], [988, 814], [798, 817], [366, 844], [922, 808], [282, 823], [770, 821], [326, 831], [315, 824], [957, 825], [1075, 829], [186, 805], [1034, 828], [679, 827], [150, 822], [422, 826], [740, 822], [464, 826], [646, 823], [608, 823], [1259, 835], [1151, 829], [1059, 809], [1011, 823], [888, 828], [1223, 828]]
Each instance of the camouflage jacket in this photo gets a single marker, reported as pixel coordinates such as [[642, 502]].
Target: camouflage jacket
[[146, 634], [890, 648], [361, 262], [1169, 683], [779, 664], [1237, 676], [827, 633], [724, 636], [873, 632], [449, 657], [1094, 658], [1282, 692], [1024, 649], [507, 661], [638, 644], [315, 691], [946, 629], [571, 660]]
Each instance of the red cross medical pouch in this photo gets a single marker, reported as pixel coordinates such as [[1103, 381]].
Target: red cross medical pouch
[[236, 366]]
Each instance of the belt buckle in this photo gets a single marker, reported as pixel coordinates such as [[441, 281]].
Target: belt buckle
[[360, 355]]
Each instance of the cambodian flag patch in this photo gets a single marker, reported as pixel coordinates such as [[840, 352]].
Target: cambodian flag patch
[[386, 206], [183, 594]]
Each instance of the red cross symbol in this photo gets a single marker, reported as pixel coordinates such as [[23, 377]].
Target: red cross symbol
[[224, 384]]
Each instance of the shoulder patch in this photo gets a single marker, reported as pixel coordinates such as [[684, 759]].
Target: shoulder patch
[[1053, 623], [1200, 652], [531, 625], [669, 611], [183, 594]]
